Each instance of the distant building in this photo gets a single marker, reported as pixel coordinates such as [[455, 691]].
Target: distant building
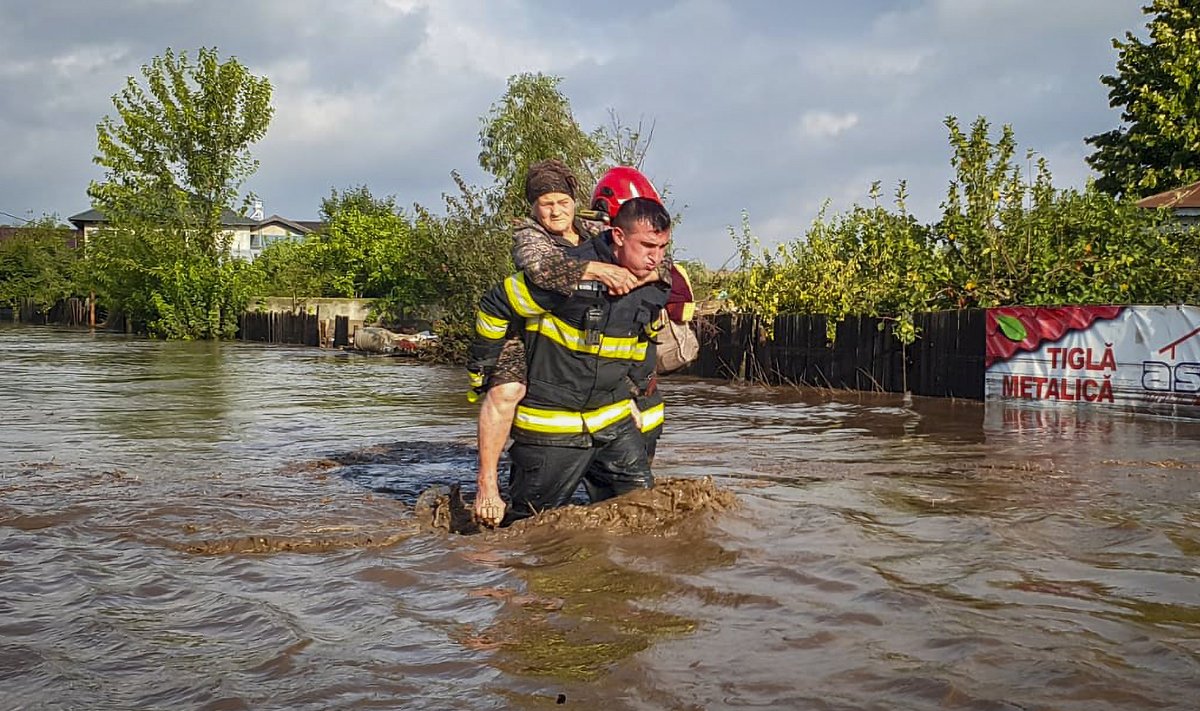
[[1183, 202], [275, 229], [248, 236]]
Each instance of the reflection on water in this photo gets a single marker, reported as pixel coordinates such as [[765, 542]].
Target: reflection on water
[[227, 526]]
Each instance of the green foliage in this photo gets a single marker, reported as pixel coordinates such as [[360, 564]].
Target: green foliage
[[285, 269], [868, 261], [532, 122], [1003, 239], [200, 299], [171, 289], [364, 250], [174, 159], [1157, 86], [38, 263], [462, 254]]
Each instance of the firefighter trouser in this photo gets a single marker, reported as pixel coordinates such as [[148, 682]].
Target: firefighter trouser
[[651, 407], [546, 476]]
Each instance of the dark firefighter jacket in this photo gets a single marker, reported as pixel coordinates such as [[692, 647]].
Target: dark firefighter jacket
[[586, 353]]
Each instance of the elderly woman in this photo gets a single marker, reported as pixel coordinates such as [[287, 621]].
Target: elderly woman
[[539, 249]]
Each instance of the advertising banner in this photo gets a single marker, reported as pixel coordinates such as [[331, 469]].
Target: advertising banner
[[1137, 358]]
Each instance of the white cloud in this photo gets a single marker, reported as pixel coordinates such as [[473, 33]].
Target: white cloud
[[847, 61], [458, 40], [89, 59], [825, 124]]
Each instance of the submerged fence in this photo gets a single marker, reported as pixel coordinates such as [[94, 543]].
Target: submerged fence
[[946, 360], [293, 327], [67, 312]]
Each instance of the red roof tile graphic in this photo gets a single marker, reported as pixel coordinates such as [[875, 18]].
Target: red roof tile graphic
[[1042, 324]]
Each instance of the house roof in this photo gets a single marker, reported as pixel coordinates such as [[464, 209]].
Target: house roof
[[301, 226], [229, 218], [1186, 197]]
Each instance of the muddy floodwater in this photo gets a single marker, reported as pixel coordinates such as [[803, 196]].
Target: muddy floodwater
[[235, 526]]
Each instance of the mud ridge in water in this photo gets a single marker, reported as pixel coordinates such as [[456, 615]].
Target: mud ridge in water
[[659, 510], [413, 476], [313, 542]]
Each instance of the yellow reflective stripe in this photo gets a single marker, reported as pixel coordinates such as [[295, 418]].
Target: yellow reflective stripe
[[657, 324], [689, 307], [687, 279], [519, 297], [562, 333], [571, 338], [625, 348], [597, 420], [534, 419], [476, 380], [491, 327], [653, 417]]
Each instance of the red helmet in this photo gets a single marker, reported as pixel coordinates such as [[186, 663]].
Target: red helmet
[[618, 185]]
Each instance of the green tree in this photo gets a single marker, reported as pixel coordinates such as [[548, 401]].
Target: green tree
[[286, 270], [461, 255], [175, 157], [1157, 86], [367, 249], [532, 122], [38, 263]]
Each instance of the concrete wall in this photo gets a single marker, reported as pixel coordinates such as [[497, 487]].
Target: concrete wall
[[354, 309]]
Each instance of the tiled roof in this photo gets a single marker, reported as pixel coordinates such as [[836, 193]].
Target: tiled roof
[[1185, 197], [229, 218], [301, 226]]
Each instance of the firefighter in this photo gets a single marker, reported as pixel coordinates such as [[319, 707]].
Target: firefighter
[[583, 354], [540, 249], [618, 185], [541, 245]]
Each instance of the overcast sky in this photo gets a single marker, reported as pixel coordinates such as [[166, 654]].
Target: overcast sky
[[771, 107]]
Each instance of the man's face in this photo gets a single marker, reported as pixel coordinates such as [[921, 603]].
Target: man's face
[[555, 211], [641, 249]]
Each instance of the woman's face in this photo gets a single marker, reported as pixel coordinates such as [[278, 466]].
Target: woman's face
[[555, 211]]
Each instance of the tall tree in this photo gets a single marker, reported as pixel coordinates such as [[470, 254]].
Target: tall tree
[[532, 122], [175, 157], [1158, 87]]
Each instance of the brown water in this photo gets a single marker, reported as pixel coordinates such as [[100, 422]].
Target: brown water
[[229, 526]]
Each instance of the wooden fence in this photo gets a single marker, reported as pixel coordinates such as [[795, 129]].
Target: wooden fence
[[293, 327], [946, 360], [68, 312]]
